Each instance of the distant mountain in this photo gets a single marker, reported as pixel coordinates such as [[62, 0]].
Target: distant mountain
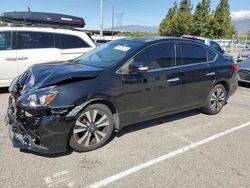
[[138, 28], [242, 25]]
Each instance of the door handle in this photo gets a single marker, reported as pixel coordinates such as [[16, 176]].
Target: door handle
[[210, 74], [10, 58], [173, 79], [22, 58]]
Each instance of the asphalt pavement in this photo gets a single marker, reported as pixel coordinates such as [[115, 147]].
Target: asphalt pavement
[[189, 149]]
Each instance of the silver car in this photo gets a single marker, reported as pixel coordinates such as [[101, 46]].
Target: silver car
[[244, 71]]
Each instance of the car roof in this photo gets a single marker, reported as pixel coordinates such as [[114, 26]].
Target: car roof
[[195, 37], [154, 39]]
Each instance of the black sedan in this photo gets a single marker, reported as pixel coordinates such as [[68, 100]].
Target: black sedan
[[244, 71], [81, 103]]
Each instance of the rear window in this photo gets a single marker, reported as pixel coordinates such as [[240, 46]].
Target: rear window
[[210, 55], [70, 41], [192, 53], [5, 40], [216, 46], [33, 40]]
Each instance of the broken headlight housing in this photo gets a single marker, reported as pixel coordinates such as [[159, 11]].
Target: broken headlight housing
[[39, 98]]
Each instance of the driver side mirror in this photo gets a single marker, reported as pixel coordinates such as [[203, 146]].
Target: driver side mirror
[[137, 67]]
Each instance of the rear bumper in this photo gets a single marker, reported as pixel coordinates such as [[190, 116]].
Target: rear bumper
[[233, 85], [45, 134]]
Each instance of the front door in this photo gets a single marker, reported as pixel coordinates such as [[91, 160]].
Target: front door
[[155, 92]]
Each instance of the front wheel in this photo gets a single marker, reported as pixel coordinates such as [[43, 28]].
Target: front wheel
[[215, 100], [92, 129]]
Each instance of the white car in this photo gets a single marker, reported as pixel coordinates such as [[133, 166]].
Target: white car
[[206, 41], [21, 47]]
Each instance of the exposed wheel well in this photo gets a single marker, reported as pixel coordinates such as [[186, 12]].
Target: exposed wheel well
[[107, 103], [225, 84], [113, 110]]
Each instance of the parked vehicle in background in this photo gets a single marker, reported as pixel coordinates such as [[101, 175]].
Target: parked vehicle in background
[[206, 41], [244, 54], [21, 47], [244, 71], [117, 84], [102, 40]]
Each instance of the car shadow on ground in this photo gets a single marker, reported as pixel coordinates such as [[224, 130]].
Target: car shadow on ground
[[155, 122], [68, 152], [126, 130], [4, 90], [245, 85]]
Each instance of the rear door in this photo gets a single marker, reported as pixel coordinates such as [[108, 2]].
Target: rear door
[[197, 71], [72, 47], [156, 91], [8, 63], [34, 48]]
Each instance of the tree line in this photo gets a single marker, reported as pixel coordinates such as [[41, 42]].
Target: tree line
[[181, 20]]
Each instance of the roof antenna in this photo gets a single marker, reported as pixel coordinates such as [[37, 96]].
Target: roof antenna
[[29, 10]]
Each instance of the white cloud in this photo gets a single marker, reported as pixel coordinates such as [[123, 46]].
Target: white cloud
[[240, 15]]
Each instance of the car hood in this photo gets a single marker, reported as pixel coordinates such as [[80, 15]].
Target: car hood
[[245, 64], [42, 75]]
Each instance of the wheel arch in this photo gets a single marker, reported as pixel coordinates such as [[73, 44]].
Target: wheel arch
[[223, 82], [99, 100]]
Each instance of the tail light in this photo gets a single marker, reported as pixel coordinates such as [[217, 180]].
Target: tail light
[[236, 67]]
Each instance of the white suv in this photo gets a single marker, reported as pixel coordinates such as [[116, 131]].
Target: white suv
[[21, 47]]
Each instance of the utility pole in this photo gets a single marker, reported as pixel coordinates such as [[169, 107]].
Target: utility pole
[[119, 19], [113, 18], [101, 21]]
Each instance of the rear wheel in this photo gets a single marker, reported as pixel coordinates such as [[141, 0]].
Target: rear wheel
[[215, 100], [93, 128]]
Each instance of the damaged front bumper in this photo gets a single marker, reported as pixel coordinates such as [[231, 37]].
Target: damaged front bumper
[[47, 134]]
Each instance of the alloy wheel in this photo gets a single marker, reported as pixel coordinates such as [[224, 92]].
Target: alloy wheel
[[217, 99], [91, 127]]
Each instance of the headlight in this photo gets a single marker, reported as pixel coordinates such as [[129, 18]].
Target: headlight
[[41, 100]]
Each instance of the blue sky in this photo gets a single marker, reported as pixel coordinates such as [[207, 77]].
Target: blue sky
[[137, 12]]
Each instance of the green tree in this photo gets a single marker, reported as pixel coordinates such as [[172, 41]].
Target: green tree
[[201, 17], [167, 24], [210, 27], [184, 19], [225, 28], [2, 24]]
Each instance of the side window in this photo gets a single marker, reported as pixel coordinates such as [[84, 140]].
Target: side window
[[33, 40], [70, 41], [192, 53], [158, 56], [210, 55], [5, 41], [216, 46]]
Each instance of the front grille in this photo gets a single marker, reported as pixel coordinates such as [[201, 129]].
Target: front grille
[[244, 75]]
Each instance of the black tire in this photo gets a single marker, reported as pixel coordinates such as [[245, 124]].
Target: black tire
[[79, 141], [215, 101]]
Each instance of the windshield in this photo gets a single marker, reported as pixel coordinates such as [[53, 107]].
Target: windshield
[[109, 53]]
